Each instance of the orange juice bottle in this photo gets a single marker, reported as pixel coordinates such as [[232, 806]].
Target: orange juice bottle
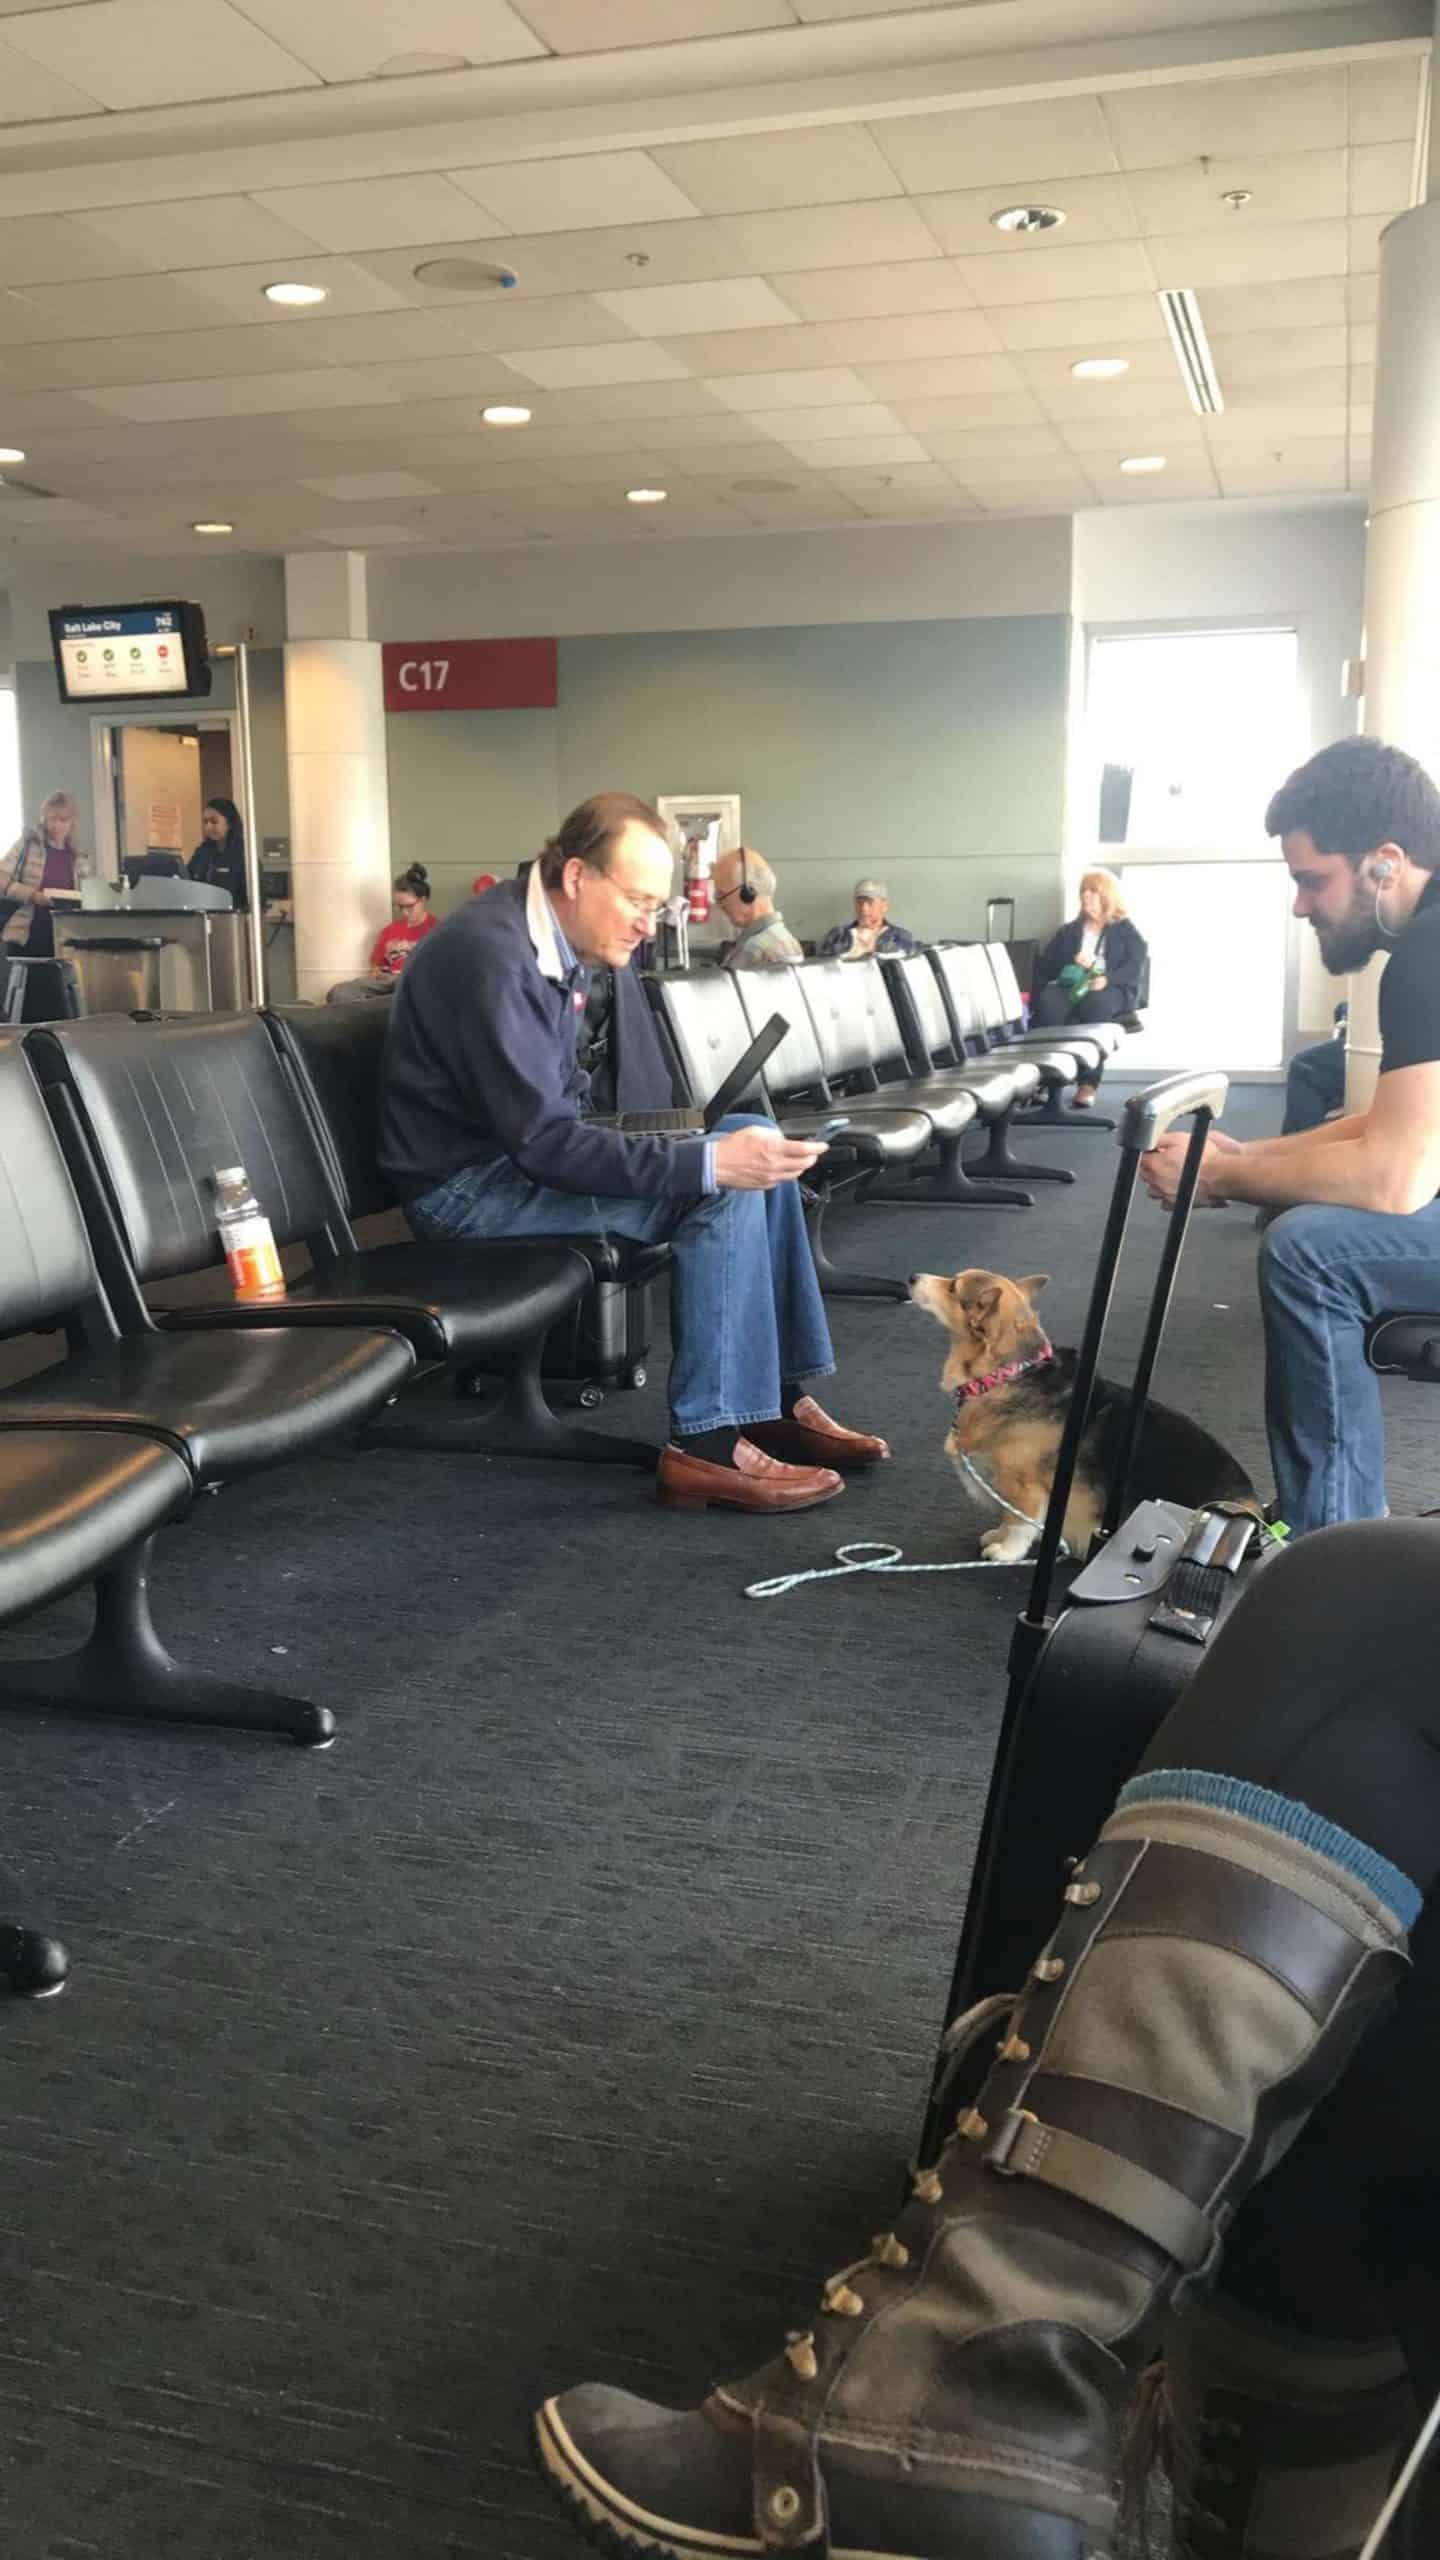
[[246, 1236]]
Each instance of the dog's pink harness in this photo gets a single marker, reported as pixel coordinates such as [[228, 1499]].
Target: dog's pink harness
[[971, 1387]]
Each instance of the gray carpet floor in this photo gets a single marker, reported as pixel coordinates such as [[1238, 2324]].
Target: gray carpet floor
[[573, 2015]]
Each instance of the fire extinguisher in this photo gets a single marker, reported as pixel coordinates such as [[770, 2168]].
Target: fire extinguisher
[[697, 887]]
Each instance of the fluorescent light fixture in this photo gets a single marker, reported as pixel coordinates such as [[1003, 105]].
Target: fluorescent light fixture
[[503, 416], [297, 297], [1143, 462], [1100, 368], [212, 527], [1192, 350], [647, 497], [1028, 217], [11, 453]]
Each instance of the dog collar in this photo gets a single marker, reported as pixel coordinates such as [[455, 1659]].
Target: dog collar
[[971, 1387]]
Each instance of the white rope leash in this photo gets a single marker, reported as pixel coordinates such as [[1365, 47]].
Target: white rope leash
[[1391, 2508], [872, 1555]]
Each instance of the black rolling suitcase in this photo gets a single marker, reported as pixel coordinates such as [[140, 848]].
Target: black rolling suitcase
[[1088, 1688]]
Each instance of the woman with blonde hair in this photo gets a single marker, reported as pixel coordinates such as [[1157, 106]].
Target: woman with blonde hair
[[1092, 970], [43, 865]]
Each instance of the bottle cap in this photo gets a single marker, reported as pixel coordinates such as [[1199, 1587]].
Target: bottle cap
[[230, 1173]]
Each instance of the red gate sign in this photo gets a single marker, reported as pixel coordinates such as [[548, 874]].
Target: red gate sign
[[470, 675]]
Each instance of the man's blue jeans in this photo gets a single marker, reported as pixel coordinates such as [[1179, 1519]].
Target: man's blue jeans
[[746, 1317], [1324, 1273]]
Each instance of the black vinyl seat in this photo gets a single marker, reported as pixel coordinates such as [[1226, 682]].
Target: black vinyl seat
[[223, 1407], [149, 1109], [711, 1018], [332, 1055], [1405, 1346], [70, 1503]]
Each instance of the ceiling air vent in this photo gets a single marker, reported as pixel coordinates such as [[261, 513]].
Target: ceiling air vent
[[1192, 350], [465, 275]]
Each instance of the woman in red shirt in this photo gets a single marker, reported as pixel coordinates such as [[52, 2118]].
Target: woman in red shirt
[[412, 921]]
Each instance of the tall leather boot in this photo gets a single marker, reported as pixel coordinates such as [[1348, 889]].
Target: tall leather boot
[[1277, 2445], [959, 2394]]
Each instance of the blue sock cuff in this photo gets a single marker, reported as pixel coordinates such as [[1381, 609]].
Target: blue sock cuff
[[1292, 1820]]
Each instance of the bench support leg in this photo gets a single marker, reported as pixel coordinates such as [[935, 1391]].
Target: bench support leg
[[123, 1669], [999, 1159], [835, 1281], [950, 1186], [30, 1963], [513, 1420]]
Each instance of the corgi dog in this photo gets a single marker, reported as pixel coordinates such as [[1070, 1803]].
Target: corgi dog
[[1011, 1389]]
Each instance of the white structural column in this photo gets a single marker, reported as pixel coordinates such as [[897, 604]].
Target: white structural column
[[1402, 556], [339, 782]]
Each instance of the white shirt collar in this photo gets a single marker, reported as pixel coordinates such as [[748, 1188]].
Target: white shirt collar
[[553, 954]]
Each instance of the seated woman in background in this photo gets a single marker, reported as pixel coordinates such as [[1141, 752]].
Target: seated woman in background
[[1091, 970], [45, 864], [219, 861], [395, 941]]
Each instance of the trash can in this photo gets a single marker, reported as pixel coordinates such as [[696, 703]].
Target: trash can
[[118, 973]]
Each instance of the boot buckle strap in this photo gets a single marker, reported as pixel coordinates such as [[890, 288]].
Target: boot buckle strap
[[1024, 2147]]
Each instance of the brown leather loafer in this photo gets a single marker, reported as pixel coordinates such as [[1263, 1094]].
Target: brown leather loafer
[[808, 1438], [754, 1483]]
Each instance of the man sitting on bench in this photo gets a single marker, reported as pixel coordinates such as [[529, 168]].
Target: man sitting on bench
[[1359, 826], [481, 1135]]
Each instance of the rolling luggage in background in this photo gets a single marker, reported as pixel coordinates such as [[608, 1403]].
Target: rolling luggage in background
[[1087, 1688]]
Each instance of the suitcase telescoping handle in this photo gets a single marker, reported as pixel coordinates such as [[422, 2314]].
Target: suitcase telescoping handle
[[1144, 1121]]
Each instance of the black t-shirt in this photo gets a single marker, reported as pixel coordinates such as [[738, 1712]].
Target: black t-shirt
[[1410, 991]]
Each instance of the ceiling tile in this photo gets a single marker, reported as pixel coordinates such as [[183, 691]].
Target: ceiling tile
[[1055, 494], [368, 337], [571, 262], [578, 26], [436, 377], [865, 235], [1046, 274], [1312, 404], [674, 310], [1265, 355], [1193, 479], [913, 334], [1362, 297], [629, 360], [1037, 446], [1111, 439], [1089, 403], [1306, 186], [1308, 463], [201, 231], [32, 94], [577, 194], [1305, 302], [766, 172], [515, 320], [978, 146], [942, 377], [1048, 368], [349, 486], [817, 386], [349, 288], [907, 478], [54, 249], [839, 293], [941, 421], [1364, 241], [1094, 209], [124, 303], [378, 213], [1162, 127], [1271, 254], [156, 53], [1382, 177], [363, 536], [1385, 101], [350, 39], [1362, 342], [847, 418], [659, 401], [840, 453], [250, 398], [720, 351]]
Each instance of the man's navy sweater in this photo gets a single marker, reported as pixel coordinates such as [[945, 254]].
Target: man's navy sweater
[[480, 1063]]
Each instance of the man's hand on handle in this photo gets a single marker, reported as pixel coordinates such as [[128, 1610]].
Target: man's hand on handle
[[1160, 1169], [757, 1159]]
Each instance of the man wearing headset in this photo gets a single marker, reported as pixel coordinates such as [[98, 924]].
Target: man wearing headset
[[744, 887], [1359, 827]]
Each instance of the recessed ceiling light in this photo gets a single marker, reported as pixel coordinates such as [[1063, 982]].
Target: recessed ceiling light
[[1100, 368], [465, 275], [1143, 462], [647, 497], [1028, 217], [11, 453], [501, 416], [297, 297], [216, 527]]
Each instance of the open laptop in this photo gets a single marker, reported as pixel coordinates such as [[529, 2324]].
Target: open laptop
[[689, 1123]]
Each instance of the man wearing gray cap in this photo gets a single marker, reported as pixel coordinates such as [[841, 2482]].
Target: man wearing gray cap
[[871, 930]]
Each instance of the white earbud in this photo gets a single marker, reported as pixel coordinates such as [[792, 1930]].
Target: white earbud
[[1384, 871]]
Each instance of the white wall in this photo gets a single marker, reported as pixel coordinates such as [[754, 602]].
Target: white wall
[[243, 598], [864, 573]]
